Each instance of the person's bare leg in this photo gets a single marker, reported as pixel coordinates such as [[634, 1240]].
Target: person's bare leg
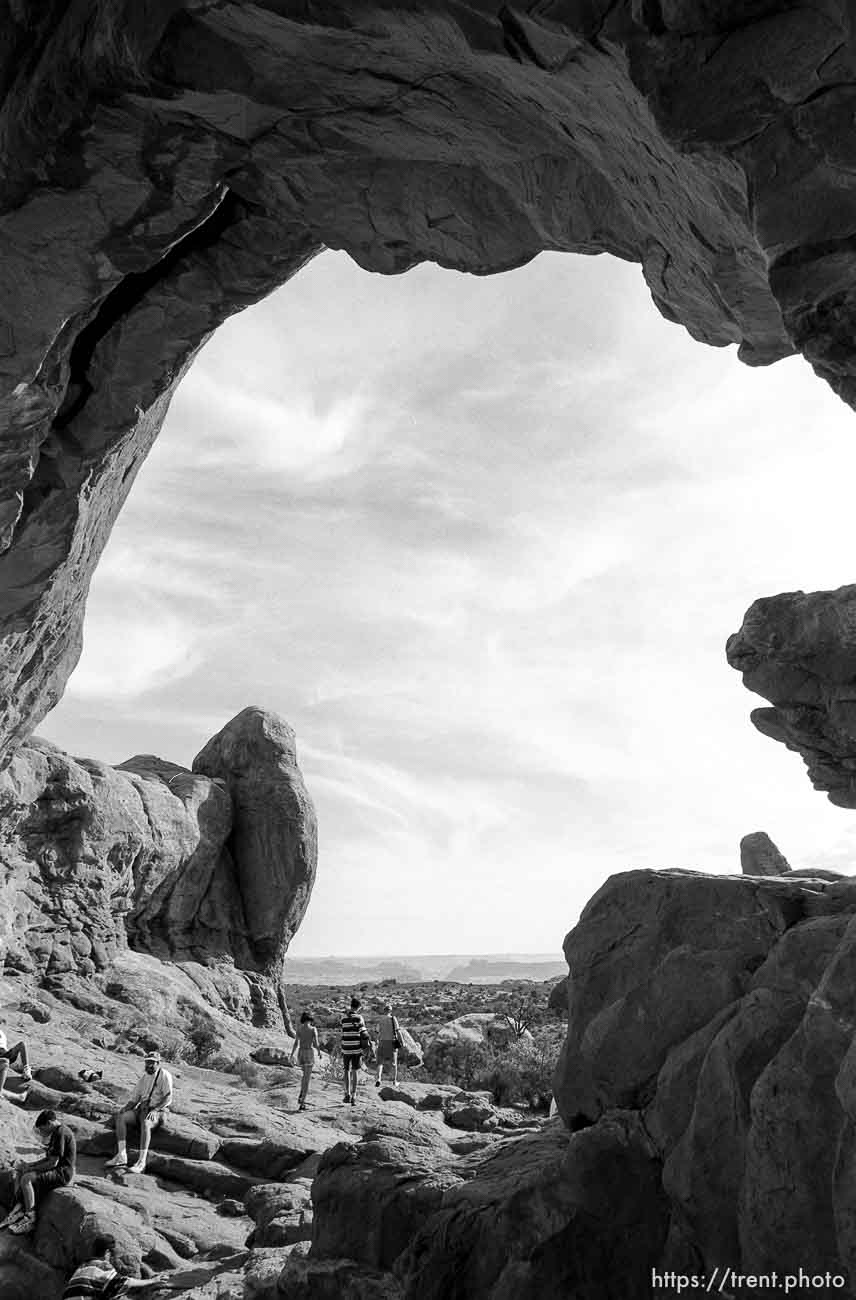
[[28, 1196], [395, 1067], [4, 1070], [145, 1142], [20, 1051], [123, 1117]]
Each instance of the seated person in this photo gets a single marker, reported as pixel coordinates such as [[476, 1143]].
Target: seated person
[[146, 1106], [56, 1169], [8, 1057]]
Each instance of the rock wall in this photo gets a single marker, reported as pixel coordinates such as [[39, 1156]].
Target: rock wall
[[94, 859], [708, 1089], [164, 165]]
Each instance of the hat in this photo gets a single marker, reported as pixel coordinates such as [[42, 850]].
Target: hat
[[154, 1055]]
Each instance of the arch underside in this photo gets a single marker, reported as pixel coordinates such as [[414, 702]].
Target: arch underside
[[167, 164]]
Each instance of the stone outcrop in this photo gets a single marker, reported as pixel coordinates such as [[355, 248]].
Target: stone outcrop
[[166, 165], [274, 836], [798, 650], [760, 857], [201, 867]]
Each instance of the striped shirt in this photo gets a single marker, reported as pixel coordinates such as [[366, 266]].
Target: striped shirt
[[353, 1027], [89, 1280]]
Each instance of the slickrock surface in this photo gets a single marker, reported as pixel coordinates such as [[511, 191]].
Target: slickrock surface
[[798, 650], [166, 165], [212, 868]]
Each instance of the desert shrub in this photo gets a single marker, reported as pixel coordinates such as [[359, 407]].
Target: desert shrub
[[202, 1040], [461, 1063], [518, 1074]]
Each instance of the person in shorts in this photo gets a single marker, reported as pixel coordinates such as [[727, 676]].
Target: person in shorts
[[55, 1169], [9, 1056], [146, 1106], [307, 1047], [355, 1041], [388, 1044]]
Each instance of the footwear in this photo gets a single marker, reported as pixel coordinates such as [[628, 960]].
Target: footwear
[[138, 1167], [301, 1105], [116, 1162], [27, 1075], [353, 1101], [14, 1213], [26, 1223], [346, 1097], [377, 1083]]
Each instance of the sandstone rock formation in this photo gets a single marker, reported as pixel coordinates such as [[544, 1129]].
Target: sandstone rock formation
[[798, 650], [760, 857], [201, 867], [165, 165], [274, 837]]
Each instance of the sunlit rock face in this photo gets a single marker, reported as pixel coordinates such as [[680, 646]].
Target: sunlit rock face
[[716, 1013], [166, 165], [798, 650], [147, 855]]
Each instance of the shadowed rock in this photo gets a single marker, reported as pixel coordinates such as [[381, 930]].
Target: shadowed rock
[[798, 650], [166, 165], [760, 857], [274, 840]]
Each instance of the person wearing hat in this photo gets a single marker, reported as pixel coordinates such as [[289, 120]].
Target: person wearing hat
[[146, 1106]]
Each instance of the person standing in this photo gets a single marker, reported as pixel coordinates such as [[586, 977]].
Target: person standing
[[307, 1047], [146, 1106], [388, 1044], [355, 1041]]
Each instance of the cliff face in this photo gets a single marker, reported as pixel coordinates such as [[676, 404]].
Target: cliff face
[[166, 164], [94, 859]]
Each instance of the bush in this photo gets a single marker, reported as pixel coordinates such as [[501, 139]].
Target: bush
[[519, 1074], [203, 1042]]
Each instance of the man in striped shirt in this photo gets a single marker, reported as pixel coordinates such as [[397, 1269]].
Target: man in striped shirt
[[354, 1043]]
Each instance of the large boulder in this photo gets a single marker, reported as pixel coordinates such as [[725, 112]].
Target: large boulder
[[179, 864], [760, 857], [274, 839], [719, 1011]]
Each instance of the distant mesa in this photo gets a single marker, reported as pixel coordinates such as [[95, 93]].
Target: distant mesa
[[484, 971]]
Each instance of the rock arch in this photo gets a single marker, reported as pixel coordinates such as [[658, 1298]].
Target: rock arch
[[168, 163]]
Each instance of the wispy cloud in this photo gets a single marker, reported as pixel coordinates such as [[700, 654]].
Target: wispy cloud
[[480, 542]]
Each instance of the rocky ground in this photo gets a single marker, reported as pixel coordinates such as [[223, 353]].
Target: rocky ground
[[225, 1200]]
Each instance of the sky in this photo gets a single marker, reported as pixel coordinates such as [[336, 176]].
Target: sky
[[480, 541]]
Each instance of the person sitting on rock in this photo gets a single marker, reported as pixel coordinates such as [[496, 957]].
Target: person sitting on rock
[[9, 1056], [55, 1169], [306, 1045], [388, 1044], [355, 1042], [146, 1106]]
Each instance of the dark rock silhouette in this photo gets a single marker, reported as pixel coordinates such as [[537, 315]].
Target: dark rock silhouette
[[166, 165], [798, 650], [760, 857]]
